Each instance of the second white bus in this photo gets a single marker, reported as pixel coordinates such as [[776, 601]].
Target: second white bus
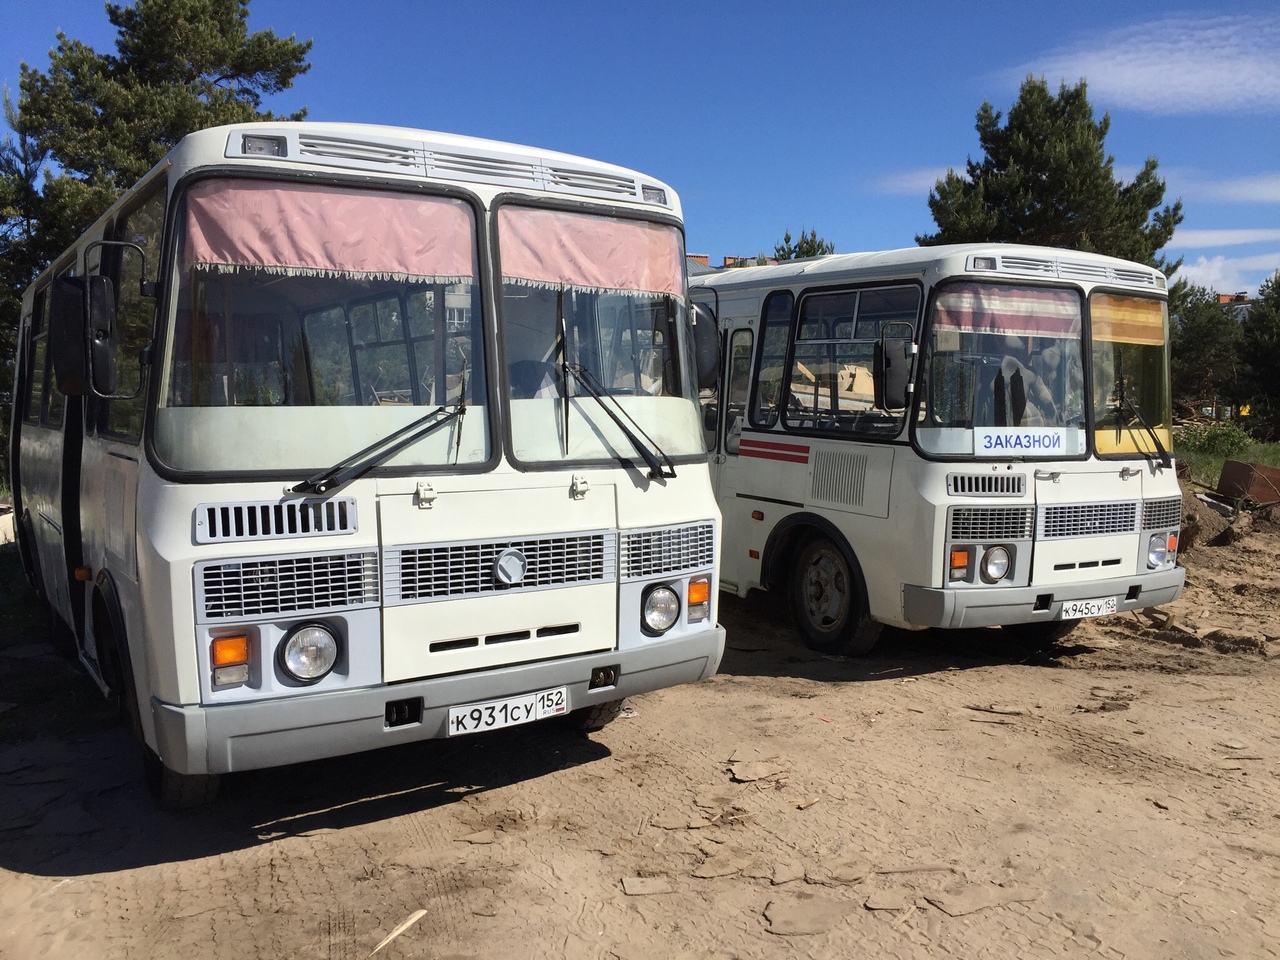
[[960, 436]]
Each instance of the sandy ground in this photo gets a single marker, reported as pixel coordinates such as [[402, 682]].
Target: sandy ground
[[954, 795]]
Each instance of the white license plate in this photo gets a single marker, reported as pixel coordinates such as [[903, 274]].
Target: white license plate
[[494, 714], [1077, 609]]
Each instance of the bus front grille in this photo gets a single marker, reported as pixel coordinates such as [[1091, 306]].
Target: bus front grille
[[990, 524], [656, 553], [268, 586], [1058, 521], [1159, 514], [415, 574]]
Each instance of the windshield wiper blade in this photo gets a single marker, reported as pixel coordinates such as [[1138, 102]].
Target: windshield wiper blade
[[1122, 401], [649, 452], [1165, 461], [380, 451]]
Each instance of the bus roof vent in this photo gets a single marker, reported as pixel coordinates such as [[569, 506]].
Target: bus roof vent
[[1069, 269], [274, 519], [986, 484], [590, 182], [1031, 265], [485, 168], [392, 156]]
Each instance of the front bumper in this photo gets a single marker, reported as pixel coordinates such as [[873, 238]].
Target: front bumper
[[268, 733], [991, 606]]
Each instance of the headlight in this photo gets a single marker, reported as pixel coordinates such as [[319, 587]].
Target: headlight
[[661, 608], [1157, 550], [308, 653], [995, 564]]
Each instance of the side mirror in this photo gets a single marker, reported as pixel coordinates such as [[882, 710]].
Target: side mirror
[[67, 336], [893, 369], [102, 335], [706, 345]]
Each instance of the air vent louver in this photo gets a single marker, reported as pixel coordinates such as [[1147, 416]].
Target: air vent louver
[[986, 484], [274, 519]]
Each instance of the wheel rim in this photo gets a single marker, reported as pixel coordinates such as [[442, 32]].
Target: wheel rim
[[826, 590]]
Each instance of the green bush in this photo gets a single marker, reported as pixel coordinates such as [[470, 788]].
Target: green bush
[[1223, 439]]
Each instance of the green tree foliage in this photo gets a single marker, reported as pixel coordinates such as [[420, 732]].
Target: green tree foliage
[[1046, 178], [1204, 346], [87, 128], [1260, 349], [809, 245]]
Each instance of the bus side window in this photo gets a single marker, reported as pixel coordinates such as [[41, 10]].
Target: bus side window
[[134, 312], [39, 343], [775, 331], [735, 401]]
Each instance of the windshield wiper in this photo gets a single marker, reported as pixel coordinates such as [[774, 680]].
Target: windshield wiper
[[648, 453], [362, 461], [1122, 401]]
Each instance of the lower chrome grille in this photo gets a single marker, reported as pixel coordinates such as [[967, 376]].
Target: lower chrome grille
[[988, 524], [267, 586], [445, 571], [1058, 521], [655, 553], [1159, 514]]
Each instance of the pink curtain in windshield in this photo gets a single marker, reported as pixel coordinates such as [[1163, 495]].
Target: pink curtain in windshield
[[314, 230], [1017, 311], [553, 248]]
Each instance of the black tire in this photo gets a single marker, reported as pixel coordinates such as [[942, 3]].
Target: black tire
[[1042, 633], [61, 637], [170, 790], [829, 603], [177, 791], [597, 717]]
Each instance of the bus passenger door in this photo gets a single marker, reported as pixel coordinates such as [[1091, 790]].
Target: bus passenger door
[[726, 466]]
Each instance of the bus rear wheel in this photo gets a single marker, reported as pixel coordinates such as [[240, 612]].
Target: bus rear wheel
[[827, 601]]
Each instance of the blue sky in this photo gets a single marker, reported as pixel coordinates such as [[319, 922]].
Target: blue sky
[[774, 116]]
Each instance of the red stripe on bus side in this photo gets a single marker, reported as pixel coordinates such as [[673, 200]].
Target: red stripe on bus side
[[766, 450]]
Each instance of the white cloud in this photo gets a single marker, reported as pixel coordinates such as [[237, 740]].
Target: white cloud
[[1176, 66], [1230, 275], [910, 183], [1199, 239], [1264, 188]]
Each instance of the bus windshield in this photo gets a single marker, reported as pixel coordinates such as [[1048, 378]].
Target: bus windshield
[[1131, 408], [314, 319], [1003, 374], [595, 304]]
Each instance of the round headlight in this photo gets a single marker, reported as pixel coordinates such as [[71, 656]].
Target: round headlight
[[1157, 550], [995, 564], [661, 608], [309, 653]]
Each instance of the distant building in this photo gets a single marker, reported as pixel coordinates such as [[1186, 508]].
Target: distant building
[[1237, 302]]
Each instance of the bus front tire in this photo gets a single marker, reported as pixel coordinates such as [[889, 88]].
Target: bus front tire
[[1044, 633], [597, 717], [177, 791], [827, 602]]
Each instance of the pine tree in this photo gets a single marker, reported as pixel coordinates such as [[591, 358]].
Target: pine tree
[[1045, 178], [809, 245]]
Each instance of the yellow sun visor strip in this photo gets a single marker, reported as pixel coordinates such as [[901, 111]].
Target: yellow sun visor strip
[[1127, 319]]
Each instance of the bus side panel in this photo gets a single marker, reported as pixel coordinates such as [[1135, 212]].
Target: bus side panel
[[108, 510], [41, 493]]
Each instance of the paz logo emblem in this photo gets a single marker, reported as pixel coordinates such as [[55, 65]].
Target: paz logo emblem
[[510, 567]]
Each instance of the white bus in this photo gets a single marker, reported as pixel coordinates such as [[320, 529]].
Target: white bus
[[333, 436], [958, 436]]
